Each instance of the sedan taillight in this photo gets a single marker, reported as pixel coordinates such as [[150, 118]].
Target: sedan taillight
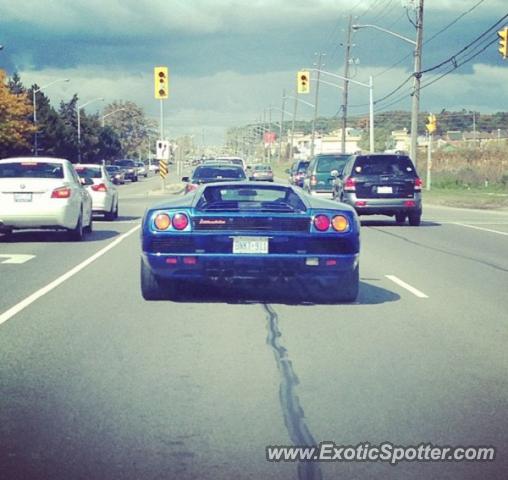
[[349, 184], [190, 187], [99, 187], [418, 184], [313, 180], [62, 192]]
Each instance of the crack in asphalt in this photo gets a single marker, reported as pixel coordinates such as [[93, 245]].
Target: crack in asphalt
[[294, 416], [440, 250]]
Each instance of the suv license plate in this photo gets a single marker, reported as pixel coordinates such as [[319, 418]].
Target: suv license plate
[[250, 245], [384, 190], [22, 197]]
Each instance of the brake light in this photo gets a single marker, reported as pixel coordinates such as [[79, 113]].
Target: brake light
[[180, 221], [100, 187], [418, 184], [321, 223], [313, 180], [162, 221], [350, 184], [190, 187], [62, 192], [340, 223]]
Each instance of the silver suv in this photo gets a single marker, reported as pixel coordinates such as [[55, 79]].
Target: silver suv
[[381, 184]]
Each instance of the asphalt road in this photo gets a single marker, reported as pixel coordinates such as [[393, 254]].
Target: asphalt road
[[96, 383]]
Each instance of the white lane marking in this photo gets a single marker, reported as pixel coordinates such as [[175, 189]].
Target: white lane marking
[[16, 258], [55, 283], [480, 228], [405, 285]]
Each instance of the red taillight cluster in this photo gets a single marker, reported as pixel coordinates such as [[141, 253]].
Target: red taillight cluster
[[418, 184], [338, 223], [99, 187], [349, 184], [178, 221], [190, 187], [313, 180], [62, 192]]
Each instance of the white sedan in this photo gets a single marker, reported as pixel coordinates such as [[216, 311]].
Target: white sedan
[[101, 188], [43, 193]]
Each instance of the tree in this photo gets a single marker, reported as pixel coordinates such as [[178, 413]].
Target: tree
[[15, 126], [382, 140]]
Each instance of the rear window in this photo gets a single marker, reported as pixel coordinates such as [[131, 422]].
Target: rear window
[[327, 163], [302, 166], [90, 172], [208, 172], [264, 168], [125, 163], [384, 165], [31, 170], [246, 197]]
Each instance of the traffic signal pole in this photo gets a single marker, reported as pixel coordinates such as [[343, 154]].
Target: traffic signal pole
[[163, 178], [312, 144]]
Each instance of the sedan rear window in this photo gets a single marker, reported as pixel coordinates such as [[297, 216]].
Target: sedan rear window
[[90, 172], [209, 172], [31, 170], [384, 165]]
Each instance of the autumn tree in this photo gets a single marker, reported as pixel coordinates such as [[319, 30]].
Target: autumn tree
[[16, 128]]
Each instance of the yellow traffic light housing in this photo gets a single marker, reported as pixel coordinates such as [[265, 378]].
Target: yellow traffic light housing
[[161, 82], [431, 123], [503, 42], [303, 81]]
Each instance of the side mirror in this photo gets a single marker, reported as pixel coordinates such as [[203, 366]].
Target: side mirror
[[185, 179]]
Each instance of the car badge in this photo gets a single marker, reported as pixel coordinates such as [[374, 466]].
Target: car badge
[[216, 221], [22, 186]]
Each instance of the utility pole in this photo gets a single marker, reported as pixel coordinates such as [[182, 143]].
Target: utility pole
[[281, 123], [346, 84], [416, 83], [316, 100], [291, 148]]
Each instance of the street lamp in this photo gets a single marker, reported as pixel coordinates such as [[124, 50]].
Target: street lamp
[[416, 72], [111, 113], [78, 110], [34, 101]]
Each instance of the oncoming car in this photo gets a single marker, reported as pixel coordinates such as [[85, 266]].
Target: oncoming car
[[234, 231], [43, 193]]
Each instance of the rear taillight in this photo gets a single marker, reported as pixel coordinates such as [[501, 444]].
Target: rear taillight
[[418, 184], [180, 221], [349, 184], [162, 221], [190, 187], [340, 223], [99, 187], [62, 192], [313, 180], [321, 223]]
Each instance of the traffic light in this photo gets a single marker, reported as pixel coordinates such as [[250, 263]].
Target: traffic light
[[503, 42], [431, 123], [303, 81], [161, 82]]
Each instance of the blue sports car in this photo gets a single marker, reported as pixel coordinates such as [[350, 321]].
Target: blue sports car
[[230, 231]]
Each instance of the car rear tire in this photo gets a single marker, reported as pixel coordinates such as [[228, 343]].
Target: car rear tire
[[76, 234], [110, 216], [89, 228], [135, 179], [400, 218], [415, 218], [154, 288], [344, 289]]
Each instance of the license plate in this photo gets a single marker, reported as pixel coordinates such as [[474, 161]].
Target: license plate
[[250, 245], [384, 190], [22, 197]]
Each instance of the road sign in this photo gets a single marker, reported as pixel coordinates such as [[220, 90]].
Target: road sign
[[163, 150], [163, 168]]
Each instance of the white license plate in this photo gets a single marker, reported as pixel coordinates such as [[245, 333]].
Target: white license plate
[[250, 245], [384, 190], [22, 197]]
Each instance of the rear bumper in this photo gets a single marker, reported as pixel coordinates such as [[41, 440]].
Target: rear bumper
[[56, 217], [384, 206], [249, 267], [322, 193], [101, 202]]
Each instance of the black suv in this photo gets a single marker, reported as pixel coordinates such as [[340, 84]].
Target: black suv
[[381, 184], [130, 168]]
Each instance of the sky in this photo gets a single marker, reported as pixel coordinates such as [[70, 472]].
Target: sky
[[230, 60]]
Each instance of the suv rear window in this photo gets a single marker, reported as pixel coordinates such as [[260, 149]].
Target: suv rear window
[[219, 172], [31, 170], [302, 166], [384, 165], [327, 163], [90, 172]]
